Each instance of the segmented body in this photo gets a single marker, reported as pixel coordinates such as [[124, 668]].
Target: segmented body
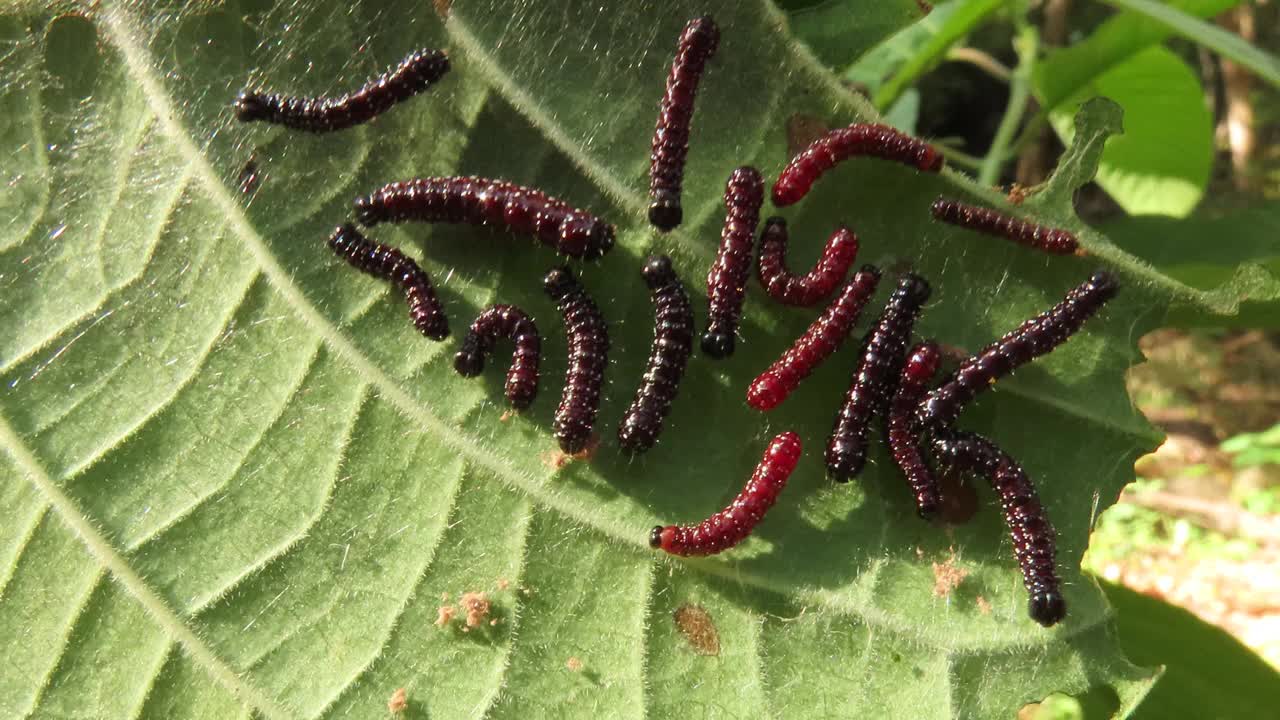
[[417, 72], [697, 45], [672, 344], [506, 321], [816, 285], [1020, 346], [905, 436], [873, 383], [485, 201], [388, 263], [588, 358], [1054, 241], [823, 337], [733, 524], [727, 278], [859, 139], [1034, 539]]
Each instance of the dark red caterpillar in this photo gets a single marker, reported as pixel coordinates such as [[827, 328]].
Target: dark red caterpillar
[[1025, 343], [872, 385], [727, 279], [672, 344], [413, 75], [904, 435], [733, 524], [390, 264], [588, 357], [879, 141], [483, 201], [697, 44], [985, 220], [510, 322], [1034, 539], [820, 282], [811, 349]]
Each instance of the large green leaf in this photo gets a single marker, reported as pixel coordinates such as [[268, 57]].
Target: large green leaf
[[838, 31], [1161, 165], [236, 483]]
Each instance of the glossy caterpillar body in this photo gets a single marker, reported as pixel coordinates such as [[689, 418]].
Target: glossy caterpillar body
[[727, 279], [811, 349], [417, 72], [588, 357], [388, 263], [1030, 340], [815, 286], [672, 344], [484, 201], [1034, 539], [859, 139], [991, 222], [697, 44], [873, 383], [510, 322], [903, 433], [733, 524]]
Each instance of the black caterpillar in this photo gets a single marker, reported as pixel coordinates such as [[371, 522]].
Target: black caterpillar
[[1025, 343], [904, 435], [510, 322], [588, 357], [697, 44], [672, 344], [388, 263], [1034, 539], [417, 72], [1054, 241], [727, 279], [484, 201], [873, 383]]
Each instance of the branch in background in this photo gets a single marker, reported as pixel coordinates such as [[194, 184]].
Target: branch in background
[[1035, 162], [1221, 517], [980, 60], [1237, 84]]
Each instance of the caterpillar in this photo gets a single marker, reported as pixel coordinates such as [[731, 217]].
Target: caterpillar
[[1034, 539], [483, 201], [803, 290], [727, 279], [417, 72], [388, 263], [1018, 347], [811, 349], [511, 322], [697, 45], [672, 344], [986, 220], [733, 524], [879, 141], [904, 435], [588, 357], [873, 383]]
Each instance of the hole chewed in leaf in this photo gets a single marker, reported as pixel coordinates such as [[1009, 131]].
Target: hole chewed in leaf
[[1100, 701]]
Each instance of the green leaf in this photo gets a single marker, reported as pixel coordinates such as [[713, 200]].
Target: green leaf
[[838, 31], [875, 66], [1220, 678], [1067, 72], [945, 26], [1213, 37], [1164, 109], [236, 483], [1232, 251]]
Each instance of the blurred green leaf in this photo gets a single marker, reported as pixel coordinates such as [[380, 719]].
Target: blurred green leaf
[[1163, 109], [1067, 72], [840, 31], [1208, 674], [1227, 44], [915, 53]]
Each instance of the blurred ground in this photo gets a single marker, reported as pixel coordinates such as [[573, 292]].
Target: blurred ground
[[1201, 526]]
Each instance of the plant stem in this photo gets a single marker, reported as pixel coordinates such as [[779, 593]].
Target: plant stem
[[1027, 43], [981, 60]]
